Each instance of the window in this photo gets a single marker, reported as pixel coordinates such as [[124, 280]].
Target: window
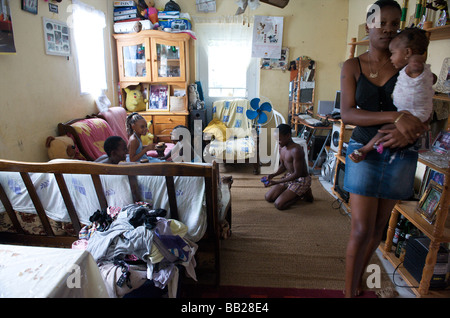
[[224, 63], [88, 28]]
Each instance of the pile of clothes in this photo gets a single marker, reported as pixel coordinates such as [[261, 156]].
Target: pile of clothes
[[138, 244]]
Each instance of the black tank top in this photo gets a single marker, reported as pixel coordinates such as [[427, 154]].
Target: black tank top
[[372, 98]]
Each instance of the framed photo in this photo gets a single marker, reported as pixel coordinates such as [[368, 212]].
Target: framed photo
[[443, 83], [429, 203], [30, 6], [57, 37], [442, 142], [159, 98]]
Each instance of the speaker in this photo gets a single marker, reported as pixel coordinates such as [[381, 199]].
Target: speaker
[[315, 144], [197, 114], [335, 135]]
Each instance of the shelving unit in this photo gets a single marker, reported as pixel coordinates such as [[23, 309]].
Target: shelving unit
[[303, 81], [439, 231]]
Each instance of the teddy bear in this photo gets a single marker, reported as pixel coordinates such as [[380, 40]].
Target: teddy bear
[[61, 147], [149, 11], [148, 138], [135, 101]]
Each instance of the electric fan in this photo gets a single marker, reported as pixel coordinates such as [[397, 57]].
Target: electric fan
[[259, 113]]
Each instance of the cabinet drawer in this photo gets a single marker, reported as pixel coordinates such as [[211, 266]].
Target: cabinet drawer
[[163, 126], [164, 119]]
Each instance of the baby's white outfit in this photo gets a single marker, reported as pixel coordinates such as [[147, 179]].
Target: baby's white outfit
[[415, 94]]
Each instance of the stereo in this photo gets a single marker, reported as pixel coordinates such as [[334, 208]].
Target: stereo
[[329, 166], [335, 135], [415, 257]]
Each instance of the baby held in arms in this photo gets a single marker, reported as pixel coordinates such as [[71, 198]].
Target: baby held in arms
[[413, 91]]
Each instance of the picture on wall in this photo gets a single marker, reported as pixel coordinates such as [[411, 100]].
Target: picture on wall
[[6, 30], [159, 98], [57, 37], [276, 64], [267, 37], [30, 6]]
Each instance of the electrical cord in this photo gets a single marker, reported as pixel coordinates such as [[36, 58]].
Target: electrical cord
[[393, 279]]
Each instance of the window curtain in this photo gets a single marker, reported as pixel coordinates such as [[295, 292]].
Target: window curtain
[[224, 55], [88, 29]]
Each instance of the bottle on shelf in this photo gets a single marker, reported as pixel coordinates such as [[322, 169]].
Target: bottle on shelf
[[401, 239], [403, 247], [398, 229]]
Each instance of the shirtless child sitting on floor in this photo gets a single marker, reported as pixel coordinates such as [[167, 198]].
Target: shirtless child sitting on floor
[[296, 183]]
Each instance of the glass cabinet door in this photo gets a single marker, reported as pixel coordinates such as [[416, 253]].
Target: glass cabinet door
[[168, 60], [135, 61]]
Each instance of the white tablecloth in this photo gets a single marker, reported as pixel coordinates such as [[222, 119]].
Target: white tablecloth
[[27, 272]]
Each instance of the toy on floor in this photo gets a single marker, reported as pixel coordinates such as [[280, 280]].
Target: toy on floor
[[61, 147]]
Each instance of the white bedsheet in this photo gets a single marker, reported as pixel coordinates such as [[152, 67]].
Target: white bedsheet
[[190, 193]]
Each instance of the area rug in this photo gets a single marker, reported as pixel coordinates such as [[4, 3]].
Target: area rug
[[231, 292], [302, 248]]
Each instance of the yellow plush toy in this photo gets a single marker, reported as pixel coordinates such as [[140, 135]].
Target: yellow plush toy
[[61, 147], [135, 101], [148, 138]]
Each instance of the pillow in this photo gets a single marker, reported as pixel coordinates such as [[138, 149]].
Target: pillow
[[93, 133], [217, 129]]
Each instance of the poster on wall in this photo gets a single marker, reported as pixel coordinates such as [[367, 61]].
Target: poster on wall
[[277, 64], [267, 37], [6, 30], [57, 37]]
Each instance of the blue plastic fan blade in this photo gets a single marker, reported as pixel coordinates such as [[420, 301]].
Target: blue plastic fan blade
[[266, 107], [262, 118], [251, 114], [254, 103]]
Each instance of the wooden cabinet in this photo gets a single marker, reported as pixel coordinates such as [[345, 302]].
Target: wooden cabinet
[[162, 125], [151, 58], [438, 232]]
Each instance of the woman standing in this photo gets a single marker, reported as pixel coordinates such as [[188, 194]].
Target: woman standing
[[376, 183]]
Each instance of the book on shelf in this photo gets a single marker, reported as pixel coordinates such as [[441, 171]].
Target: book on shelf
[[125, 10], [126, 17], [129, 3]]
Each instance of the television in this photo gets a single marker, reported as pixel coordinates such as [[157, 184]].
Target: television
[[339, 182]]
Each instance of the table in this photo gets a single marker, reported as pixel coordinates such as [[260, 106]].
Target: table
[[43, 272], [314, 130]]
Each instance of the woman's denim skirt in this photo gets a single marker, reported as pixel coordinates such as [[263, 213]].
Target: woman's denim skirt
[[389, 175]]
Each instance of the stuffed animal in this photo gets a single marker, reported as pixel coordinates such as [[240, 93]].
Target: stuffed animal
[[150, 12], [61, 147], [148, 138], [135, 102]]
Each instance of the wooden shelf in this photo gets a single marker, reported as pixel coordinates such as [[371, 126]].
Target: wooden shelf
[[441, 96], [408, 278], [409, 210], [439, 33], [436, 33]]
